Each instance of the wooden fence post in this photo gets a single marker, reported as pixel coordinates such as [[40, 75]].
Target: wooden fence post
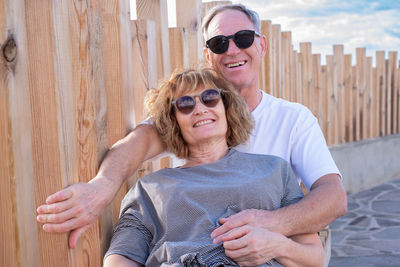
[[394, 91], [277, 61], [381, 78], [318, 95], [156, 10], [368, 100], [16, 169], [266, 80], [188, 16], [286, 70], [332, 100], [306, 69], [361, 72], [348, 98], [179, 48], [338, 54], [356, 104]]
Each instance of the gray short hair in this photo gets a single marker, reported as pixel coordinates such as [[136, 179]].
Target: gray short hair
[[252, 15]]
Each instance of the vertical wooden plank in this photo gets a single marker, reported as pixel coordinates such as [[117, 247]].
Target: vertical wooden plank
[[266, 77], [375, 103], [144, 48], [356, 104], [286, 71], [207, 6], [394, 91], [398, 96], [179, 50], [156, 10], [292, 73], [306, 68], [119, 84], [188, 16], [361, 76], [45, 135], [348, 98], [299, 83], [15, 89], [338, 54], [277, 61], [388, 92], [9, 253], [368, 89], [381, 79], [332, 101], [81, 97], [318, 87], [325, 105]]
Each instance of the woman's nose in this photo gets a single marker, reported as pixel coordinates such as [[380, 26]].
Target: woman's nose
[[199, 107]]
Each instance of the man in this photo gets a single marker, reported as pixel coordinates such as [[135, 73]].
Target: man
[[235, 49]]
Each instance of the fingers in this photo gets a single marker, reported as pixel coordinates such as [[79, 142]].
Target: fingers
[[76, 234], [232, 222], [246, 249], [59, 217], [66, 225], [235, 238], [61, 195], [55, 208]]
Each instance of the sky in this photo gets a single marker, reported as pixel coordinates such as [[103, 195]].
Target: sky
[[373, 24]]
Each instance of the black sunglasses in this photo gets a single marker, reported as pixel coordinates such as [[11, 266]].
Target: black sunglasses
[[209, 98], [243, 39]]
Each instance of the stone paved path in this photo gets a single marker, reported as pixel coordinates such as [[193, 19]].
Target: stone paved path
[[369, 234]]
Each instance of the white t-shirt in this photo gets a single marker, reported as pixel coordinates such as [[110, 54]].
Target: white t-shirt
[[290, 131]]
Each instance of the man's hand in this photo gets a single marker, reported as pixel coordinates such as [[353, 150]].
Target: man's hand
[[250, 246], [250, 217], [76, 208]]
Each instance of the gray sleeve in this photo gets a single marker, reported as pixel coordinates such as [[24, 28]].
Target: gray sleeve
[[131, 238], [291, 189]]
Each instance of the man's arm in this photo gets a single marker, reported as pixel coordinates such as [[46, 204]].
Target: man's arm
[[300, 250], [78, 206], [325, 202]]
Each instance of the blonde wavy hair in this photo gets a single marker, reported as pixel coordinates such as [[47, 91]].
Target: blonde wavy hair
[[162, 112]]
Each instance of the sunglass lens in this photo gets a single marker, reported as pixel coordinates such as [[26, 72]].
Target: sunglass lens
[[210, 97], [218, 44], [185, 104], [244, 39]]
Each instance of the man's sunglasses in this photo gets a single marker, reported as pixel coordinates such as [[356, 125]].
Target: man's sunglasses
[[209, 98], [243, 39]]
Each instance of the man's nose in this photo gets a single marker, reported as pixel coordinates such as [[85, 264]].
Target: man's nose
[[232, 48]]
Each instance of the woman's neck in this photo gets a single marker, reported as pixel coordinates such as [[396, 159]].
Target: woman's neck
[[208, 152]]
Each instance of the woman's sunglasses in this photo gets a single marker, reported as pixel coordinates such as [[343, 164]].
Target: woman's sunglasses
[[209, 98], [243, 39]]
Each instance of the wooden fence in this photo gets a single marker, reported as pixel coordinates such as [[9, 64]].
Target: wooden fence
[[73, 75]]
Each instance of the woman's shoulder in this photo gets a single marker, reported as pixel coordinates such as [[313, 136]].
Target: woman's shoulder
[[262, 158]]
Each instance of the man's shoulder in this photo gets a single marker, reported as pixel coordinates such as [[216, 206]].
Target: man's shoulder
[[283, 104]]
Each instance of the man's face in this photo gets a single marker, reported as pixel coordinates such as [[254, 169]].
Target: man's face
[[239, 66]]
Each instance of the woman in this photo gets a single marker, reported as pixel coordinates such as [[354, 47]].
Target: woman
[[167, 218]]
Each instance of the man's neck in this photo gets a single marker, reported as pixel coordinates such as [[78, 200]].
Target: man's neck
[[252, 97]]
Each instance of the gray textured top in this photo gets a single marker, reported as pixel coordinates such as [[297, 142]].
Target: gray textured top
[[168, 216]]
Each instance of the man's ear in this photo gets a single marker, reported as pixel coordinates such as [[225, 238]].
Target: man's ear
[[263, 44], [207, 55]]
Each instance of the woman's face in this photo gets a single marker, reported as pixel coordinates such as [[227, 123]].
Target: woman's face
[[204, 124]]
